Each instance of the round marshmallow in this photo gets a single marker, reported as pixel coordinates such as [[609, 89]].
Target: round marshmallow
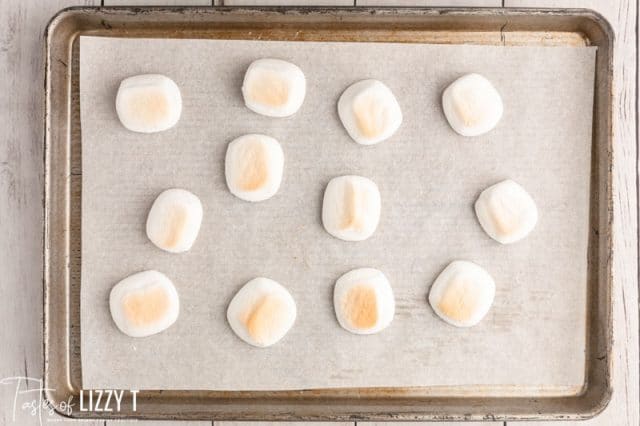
[[363, 301], [253, 167], [273, 87], [472, 105], [143, 304], [148, 103], [351, 208], [369, 112], [506, 212], [262, 312], [174, 220], [462, 294]]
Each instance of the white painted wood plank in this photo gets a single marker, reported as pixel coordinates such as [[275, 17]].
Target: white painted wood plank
[[153, 423], [433, 3], [287, 2], [158, 3], [22, 25], [623, 408], [284, 424], [431, 424]]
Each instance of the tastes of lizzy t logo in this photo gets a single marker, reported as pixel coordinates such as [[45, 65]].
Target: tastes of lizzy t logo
[[28, 399]]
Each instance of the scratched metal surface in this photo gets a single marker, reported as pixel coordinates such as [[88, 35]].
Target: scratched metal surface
[[343, 404]]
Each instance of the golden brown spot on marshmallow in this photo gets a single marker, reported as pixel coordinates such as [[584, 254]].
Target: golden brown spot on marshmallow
[[361, 307], [175, 225], [268, 88], [254, 168], [504, 219], [468, 106], [265, 318], [460, 299], [150, 106], [146, 306], [370, 114], [353, 207]]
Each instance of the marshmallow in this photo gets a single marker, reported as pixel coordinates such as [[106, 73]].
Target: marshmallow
[[174, 220], [262, 312], [369, 112], [462, 294], [506, 212], [143, 304], [148, 103], [273, 87], [253, 167], [351, 208], [472, 105], [363, 301]]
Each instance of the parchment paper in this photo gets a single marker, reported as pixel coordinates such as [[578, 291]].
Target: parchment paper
[[429, 178]]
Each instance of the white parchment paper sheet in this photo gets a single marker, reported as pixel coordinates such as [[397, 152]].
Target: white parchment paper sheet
[[429, 178]]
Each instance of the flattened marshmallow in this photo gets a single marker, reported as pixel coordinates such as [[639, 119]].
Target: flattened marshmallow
[[506, 212], [472, 105], [174, 220], [273, 87], [253, 167], [148, 103], [143, 304], [262, 312], [462, 294], [363, 300], [351, 208], [369, 112]]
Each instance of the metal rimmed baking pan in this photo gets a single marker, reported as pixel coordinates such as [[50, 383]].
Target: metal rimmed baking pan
[[63, 370]]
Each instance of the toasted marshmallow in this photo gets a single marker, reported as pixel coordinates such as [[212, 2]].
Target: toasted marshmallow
[[472, 105], [148, 103], [462, 294], [369, 112], [174, 220], [364, 301], [273, 87], [262, 312], [351, 208], [506, 212], [143, 304], [253, 167]]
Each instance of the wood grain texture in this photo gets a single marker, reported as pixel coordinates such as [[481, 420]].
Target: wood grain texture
[[22, 26], [282, 424], [432, 3], [287, 2], [153, 423], [158, 3], [623, 408], [430, 424]]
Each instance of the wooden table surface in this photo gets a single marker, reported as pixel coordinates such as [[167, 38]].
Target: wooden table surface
[[21, 193]]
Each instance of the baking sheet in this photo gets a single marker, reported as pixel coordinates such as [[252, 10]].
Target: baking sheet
[[429, 178]]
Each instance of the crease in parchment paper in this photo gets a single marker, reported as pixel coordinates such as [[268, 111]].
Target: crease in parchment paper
[[429, 178]]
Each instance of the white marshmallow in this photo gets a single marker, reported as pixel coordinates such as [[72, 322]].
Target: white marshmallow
[[174, 220], [262, 312], [369, 112], [148, 103], [506, 212], [143, 304], [351, 208], [472, 105], [363, 301], [462, 294], [273, 87], [253, 167]]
